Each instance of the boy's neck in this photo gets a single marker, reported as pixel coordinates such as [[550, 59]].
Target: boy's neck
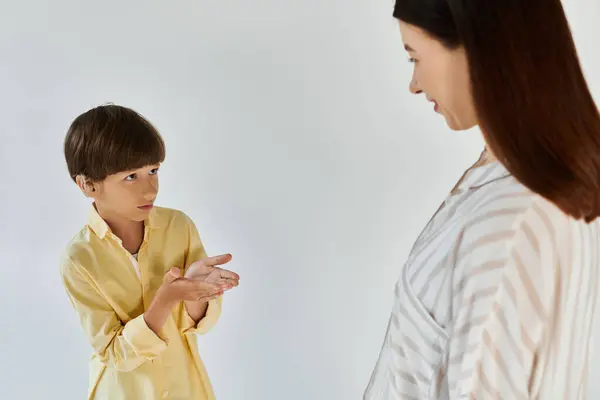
[[130, 232]]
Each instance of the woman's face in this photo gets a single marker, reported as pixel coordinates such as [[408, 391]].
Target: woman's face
[[442, 74]]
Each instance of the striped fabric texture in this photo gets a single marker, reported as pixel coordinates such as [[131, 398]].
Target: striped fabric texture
[[496, 301]]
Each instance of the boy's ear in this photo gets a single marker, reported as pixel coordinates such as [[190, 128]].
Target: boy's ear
[[86, 186]]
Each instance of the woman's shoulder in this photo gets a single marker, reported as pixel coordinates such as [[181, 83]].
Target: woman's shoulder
[[509, 210]]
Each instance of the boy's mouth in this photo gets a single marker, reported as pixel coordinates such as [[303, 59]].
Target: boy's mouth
[[146, 207]]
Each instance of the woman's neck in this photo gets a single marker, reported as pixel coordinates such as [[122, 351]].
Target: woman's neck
[[487, 157]]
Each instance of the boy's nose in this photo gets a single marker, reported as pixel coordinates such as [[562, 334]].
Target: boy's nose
[[150, 192], [149, 196]]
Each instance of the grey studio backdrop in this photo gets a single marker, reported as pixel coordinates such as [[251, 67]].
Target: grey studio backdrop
[[292, 142]]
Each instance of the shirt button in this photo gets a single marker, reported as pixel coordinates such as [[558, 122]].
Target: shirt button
[[165, 393]]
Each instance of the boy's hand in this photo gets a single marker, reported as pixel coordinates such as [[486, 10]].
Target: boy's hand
[[174, 289], [178, 288], [206, 270]]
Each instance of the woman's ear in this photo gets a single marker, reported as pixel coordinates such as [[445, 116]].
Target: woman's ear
[[87, 187]]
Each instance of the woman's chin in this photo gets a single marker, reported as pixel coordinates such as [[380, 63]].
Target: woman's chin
[[458, 126]]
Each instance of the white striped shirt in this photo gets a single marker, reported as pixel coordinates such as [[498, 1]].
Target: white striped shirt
[[496, 301]]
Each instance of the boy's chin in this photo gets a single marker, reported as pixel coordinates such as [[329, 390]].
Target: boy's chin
[[139, 215]]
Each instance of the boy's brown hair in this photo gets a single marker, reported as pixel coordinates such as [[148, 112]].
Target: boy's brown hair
[[110, 139]]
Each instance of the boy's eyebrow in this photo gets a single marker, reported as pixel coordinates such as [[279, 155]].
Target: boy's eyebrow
[[131, 171]]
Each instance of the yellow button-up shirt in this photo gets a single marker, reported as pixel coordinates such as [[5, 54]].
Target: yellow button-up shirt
[[110, 290]]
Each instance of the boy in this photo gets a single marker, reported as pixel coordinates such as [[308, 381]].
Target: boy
[[137, 275]]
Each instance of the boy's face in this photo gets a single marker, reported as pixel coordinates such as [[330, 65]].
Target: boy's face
[[129, 194]]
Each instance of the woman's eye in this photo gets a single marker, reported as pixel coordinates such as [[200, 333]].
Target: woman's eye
[[412, 60]]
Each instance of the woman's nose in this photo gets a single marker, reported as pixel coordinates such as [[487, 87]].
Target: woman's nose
[[414, 87]]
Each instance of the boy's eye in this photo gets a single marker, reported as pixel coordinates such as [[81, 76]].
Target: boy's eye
[[133, 177]]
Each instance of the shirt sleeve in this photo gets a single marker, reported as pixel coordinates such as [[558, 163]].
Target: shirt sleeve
[[213, 312], [195, 251], [503, 293], [118, 345]]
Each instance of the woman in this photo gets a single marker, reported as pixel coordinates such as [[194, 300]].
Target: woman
[[498, 297]]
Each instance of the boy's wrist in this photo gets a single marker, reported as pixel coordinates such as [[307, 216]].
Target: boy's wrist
[[196, 302], [165, 297]]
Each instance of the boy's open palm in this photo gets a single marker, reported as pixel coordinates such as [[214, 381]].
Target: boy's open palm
[[208, 271], [180, 288]]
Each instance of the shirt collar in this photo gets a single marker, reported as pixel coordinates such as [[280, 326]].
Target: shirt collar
[[101, 228], [484, 174]]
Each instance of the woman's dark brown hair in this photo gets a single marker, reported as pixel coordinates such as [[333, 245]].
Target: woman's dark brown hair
[[110, 139], [532, 100]]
